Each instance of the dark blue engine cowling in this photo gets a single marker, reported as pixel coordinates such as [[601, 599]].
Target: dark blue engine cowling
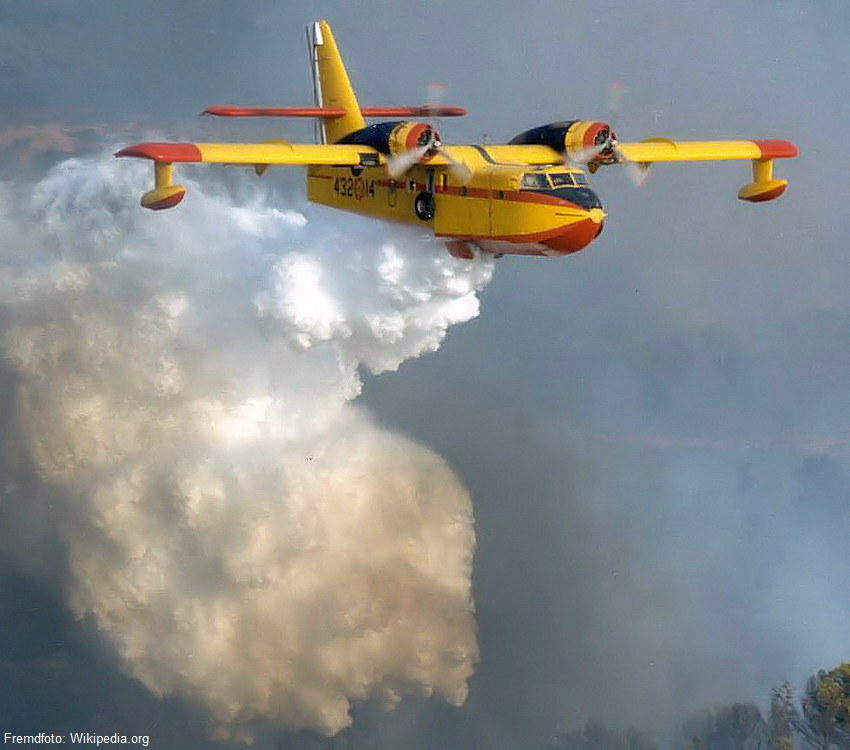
[[552, 135], [377, 136]]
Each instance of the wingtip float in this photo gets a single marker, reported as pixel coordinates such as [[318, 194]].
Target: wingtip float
[[528, 197], [764, 187]]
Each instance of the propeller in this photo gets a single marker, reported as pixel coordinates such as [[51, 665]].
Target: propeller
[[638, 172], [583, 157], [400, 163], [458, 170]]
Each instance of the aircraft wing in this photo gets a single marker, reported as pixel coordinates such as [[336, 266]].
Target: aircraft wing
[[762, 153], [648, 151], [274, 152], [663, 149], [304, 154], [166, 194]]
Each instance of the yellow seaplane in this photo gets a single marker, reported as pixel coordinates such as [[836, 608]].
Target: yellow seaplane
[[529, 196]]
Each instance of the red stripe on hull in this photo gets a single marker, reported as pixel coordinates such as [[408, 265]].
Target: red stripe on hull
[[559, 241], [499, 247], [460, 249], [525, 196], [531, 237]]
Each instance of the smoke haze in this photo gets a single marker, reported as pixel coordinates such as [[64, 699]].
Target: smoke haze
[[240, 532]]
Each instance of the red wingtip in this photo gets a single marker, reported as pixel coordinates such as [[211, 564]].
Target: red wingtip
[[162, 151], [777, 149]]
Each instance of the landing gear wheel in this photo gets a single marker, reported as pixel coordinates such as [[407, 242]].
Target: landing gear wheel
[[423, 206]]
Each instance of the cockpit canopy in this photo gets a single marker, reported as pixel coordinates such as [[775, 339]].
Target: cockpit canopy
[[570, 186], [564, 179]]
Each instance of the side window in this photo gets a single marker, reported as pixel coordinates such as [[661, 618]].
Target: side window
[[580, 178], [531, 181]]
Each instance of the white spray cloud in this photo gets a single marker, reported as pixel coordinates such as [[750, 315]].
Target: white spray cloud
[[241, 532]]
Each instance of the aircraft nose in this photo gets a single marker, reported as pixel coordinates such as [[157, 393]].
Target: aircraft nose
[[597, 215], [579, 233]]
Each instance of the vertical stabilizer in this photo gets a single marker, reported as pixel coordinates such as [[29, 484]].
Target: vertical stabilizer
[[334, 88]]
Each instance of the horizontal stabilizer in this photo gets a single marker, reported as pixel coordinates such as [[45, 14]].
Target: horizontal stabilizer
[[227, 110]]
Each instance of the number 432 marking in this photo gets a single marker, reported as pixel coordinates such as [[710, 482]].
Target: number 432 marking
[[354, 187]]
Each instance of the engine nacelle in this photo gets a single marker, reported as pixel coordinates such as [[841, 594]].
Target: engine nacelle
[[394, 138], [572, 138]]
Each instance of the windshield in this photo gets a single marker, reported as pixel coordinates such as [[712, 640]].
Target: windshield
[[569, 186], [581, 196], [561, 179]]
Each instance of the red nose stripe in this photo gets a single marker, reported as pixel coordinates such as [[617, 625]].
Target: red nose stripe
[[574, 237]]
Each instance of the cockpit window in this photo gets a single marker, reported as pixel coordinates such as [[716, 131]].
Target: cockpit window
[[532, 181], [561, 179], [568, 186]]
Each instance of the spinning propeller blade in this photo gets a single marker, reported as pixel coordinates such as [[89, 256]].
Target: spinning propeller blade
[[637, 172], [399, 164]]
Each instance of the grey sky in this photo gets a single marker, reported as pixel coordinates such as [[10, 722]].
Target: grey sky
[[655, 432]]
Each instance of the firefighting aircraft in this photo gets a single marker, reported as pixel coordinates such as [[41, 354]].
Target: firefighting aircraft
[[527, 197]]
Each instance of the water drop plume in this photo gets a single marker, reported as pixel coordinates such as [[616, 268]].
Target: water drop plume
[[182, 386]]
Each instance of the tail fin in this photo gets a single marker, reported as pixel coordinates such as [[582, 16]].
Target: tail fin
[[332, 87]]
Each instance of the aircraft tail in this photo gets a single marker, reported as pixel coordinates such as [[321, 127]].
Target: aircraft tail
[[331, 87]]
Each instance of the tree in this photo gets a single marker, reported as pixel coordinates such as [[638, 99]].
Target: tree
[[825, 723], [737, 727], [596, 735], [783, 718]]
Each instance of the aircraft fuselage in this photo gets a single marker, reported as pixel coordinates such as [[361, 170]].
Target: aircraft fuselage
[[504, 209]]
